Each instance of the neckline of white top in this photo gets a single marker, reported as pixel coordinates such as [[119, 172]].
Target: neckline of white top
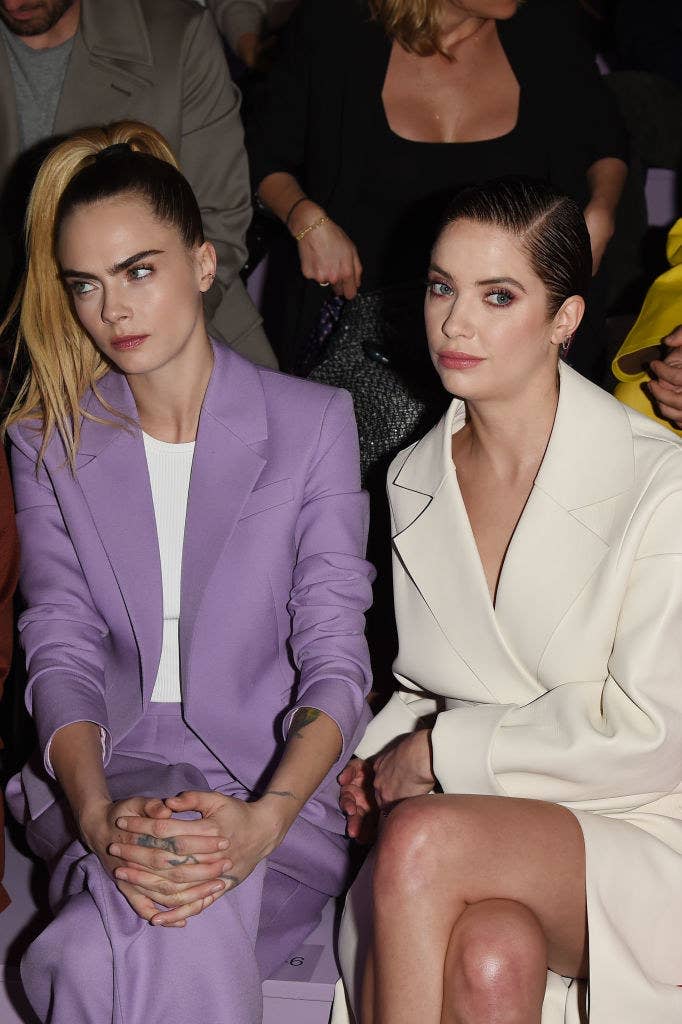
[[179, 448]]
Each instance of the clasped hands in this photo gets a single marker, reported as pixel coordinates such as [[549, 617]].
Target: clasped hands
[[183, 865], [401, 770]]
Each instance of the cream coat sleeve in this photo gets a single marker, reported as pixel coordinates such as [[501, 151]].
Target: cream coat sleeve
[[606, 745]]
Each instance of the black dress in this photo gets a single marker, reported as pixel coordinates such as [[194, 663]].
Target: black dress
[[319, 116], [378, 348]]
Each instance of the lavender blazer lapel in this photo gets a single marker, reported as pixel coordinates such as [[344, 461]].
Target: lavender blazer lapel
[[225, 470], [113, 476]]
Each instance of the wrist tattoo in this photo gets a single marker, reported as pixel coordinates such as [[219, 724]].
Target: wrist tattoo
[[169, 846], [282, 792], [302, 718]]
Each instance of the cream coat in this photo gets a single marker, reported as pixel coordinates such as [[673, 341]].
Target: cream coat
[[569, 689]]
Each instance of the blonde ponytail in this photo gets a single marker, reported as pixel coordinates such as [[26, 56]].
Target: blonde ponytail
[[64, 362]]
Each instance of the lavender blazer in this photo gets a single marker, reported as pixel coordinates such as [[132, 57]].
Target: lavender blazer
[[274, 580]]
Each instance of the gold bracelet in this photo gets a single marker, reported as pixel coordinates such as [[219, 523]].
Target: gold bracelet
[[311, 227]]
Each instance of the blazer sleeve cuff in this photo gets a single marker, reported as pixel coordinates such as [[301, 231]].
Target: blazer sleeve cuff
[[55, 704], [461, 741], [104, 737], [332, 696]]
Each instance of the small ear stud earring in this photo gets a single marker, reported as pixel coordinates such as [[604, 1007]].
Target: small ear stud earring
[[566, 344]]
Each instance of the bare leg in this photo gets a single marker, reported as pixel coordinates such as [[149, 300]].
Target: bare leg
[[436, 858], [496, 966]]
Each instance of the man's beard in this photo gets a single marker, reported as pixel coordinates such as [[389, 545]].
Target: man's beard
[[47, 14]]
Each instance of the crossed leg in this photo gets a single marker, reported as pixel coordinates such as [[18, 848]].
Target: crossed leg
[[473, 899]]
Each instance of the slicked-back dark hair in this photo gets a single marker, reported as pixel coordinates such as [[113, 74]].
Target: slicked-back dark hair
[[549, 225], [119, 171]]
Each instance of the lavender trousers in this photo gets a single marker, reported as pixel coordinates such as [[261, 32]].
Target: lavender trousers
[[99, 963]]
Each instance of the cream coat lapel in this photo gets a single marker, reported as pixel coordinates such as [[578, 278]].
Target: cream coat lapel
[[559, 541], [554, 551], [112, 54], [438, 551]]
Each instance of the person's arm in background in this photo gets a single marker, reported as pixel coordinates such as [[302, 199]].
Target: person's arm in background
[[213, 158], [277, 132], [589, 128], [241, 23], [606, 178], [9, 570], [666, 389]]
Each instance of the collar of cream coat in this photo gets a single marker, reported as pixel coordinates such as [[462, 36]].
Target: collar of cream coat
[[589, 455], [560, 539]]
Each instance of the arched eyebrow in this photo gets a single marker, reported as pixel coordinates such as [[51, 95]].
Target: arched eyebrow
[[485, 281], [502, 280], [117, 267]]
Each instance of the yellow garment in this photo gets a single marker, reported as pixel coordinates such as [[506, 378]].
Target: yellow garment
[[660, 314]]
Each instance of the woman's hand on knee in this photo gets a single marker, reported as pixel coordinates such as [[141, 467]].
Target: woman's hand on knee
[[356, 799], [404, 769]]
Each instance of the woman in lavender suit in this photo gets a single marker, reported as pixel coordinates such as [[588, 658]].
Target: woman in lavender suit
[[193, 535]]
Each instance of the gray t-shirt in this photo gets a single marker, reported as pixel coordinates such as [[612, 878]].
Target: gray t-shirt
[[38, 79]]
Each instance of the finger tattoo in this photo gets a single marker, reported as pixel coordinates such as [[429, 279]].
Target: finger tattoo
[[170, 846]]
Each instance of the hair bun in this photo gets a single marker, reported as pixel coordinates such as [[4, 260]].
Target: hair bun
[[116, 149]]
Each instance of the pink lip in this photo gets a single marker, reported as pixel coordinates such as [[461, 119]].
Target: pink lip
[[128, 341], [458, 360]]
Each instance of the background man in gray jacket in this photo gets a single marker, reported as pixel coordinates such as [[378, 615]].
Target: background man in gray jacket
[[67, 64]]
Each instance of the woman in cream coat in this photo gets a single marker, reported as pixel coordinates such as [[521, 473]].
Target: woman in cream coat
[[538, 591]]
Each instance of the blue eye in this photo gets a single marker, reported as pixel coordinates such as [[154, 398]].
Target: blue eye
[[81, 287], [439, 288], [499, 297], [139, 273]]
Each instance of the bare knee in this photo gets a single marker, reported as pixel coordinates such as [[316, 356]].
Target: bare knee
[[496, 966], [409, 850]]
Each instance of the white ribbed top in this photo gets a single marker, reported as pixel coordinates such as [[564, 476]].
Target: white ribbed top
[[170, 466]]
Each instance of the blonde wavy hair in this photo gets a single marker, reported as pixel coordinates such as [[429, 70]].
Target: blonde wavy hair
[[64, 362], [412, 23], [415, 24]]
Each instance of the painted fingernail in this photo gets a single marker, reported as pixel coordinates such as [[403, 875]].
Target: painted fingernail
[[114, 849], [223, 844]]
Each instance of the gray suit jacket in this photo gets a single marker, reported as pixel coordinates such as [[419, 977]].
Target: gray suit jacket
[[161, 61]]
